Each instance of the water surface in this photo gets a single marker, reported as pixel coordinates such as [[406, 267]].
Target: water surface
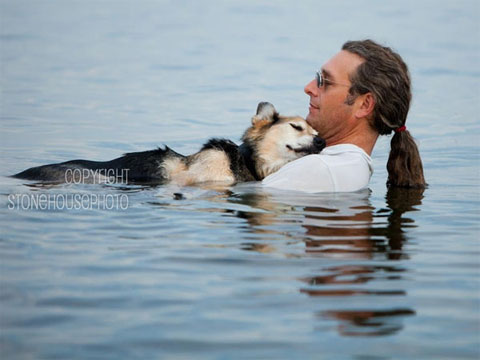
[[242, 271]]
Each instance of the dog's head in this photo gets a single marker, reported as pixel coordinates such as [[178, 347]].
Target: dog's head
[[277, 140]]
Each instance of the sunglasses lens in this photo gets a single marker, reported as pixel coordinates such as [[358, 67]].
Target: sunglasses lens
[[319, 79]]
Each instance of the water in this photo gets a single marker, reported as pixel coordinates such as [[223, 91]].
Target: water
[[237, 272]]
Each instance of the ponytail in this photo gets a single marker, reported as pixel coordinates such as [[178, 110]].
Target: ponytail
[[404, 164], [384, 74]]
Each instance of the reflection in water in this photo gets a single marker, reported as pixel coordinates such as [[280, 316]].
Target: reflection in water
[[350, 231], [369, 323], [359, 232], [399, 202], [362, 236]]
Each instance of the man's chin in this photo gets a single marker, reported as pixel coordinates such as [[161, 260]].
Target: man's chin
[[310, 120], [312, 112], [313, 122]]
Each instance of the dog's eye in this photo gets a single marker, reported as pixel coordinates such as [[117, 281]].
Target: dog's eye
[[296, 127]]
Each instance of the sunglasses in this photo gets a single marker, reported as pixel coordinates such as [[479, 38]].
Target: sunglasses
[[322, 81]]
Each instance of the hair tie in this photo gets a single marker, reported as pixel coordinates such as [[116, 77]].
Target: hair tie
[[401, 129]]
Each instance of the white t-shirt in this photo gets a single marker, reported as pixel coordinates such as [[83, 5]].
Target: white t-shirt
[[338, 168]]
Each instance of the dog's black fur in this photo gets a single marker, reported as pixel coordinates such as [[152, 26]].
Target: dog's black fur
[[147, 166], [144, 166]]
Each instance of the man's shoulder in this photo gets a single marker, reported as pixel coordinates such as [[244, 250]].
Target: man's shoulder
[[343, 167]]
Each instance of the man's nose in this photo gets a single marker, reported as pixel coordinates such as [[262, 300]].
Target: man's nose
[[311, 88]]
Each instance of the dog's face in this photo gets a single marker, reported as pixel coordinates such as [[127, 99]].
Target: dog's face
[[278, 140]]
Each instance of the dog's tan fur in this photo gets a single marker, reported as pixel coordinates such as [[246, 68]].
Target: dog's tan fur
[[206, 166], [268, 144], [271, 140], [274, 138]]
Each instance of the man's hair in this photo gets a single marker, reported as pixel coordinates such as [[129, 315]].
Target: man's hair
[[385, 75]]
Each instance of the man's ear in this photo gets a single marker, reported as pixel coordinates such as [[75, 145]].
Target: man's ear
[[365, 105]]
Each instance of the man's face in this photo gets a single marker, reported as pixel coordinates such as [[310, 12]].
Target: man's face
[[328, 112]]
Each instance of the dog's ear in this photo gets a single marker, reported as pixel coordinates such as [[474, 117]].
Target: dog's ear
[[266, 114]]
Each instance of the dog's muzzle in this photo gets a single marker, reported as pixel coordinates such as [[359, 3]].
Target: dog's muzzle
[[317, 146]]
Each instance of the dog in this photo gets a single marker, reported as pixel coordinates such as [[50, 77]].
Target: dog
[[268, 144]]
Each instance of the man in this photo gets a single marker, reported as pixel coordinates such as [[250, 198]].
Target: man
[[359, 94]]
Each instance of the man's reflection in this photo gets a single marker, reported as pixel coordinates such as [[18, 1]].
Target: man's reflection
[[361, 241], [368, 323], [365, 234]]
